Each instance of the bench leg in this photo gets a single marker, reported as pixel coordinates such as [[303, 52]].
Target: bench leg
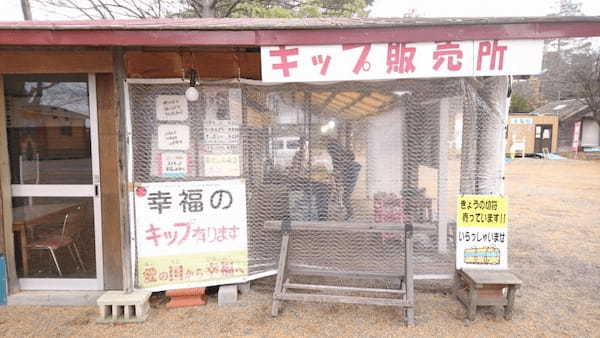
[[508, 310], [472, 308], [409, 316], [281, 274]]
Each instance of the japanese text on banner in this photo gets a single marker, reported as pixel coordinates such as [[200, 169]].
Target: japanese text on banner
[[372, 61]]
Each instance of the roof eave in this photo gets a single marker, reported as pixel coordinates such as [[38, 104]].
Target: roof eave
[[190, 37]]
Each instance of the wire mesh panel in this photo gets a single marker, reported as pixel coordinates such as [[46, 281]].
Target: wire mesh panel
[[355, 152]]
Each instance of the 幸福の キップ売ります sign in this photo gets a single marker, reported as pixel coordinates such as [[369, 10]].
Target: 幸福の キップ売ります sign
[[190, 232]]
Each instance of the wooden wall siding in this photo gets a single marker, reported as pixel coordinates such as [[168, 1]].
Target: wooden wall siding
[[46, 62], [210, 65], [108, 121]]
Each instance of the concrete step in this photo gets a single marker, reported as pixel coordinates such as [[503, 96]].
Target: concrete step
[[54, 298]]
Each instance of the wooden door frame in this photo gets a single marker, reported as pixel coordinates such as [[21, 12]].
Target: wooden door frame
[[535, 139], [14, 283]]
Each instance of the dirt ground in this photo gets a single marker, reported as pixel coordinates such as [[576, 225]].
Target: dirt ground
[[554, 247]]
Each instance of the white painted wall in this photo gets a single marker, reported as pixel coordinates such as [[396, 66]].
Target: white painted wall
[[590, 134]]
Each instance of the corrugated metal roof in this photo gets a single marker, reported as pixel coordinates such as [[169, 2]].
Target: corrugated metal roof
[[280, 24]]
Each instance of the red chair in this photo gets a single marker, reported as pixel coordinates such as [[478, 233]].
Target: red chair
[[73, 225]]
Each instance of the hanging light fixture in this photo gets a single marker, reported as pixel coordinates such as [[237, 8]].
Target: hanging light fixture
[[192, 94]]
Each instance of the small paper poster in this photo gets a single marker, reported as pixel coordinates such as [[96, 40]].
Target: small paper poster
[[222, 165], [173, 137], [481, 234], [171, 108], [174, 165], [221, 132]]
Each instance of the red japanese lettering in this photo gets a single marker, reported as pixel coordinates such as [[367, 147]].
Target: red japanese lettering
[[449, 53], [492, 50], [187, 227], [361, 63], [176, 272], [400, 58], [153, 235], [284, 64], [318, 60], [150, 275]]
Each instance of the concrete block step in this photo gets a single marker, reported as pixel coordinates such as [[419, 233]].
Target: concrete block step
[[119, 307]]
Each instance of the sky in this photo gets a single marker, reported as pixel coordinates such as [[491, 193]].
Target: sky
[[10, 10]]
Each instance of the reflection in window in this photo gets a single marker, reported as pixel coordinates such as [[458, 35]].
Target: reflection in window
[[48, 137]]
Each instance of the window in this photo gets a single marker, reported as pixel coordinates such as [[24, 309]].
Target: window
[[66, 131]]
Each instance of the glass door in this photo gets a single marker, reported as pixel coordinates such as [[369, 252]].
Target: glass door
[[53, 153]]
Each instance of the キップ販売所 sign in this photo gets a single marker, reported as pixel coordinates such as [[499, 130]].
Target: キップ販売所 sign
[[190, 233], [396, 60], [481, 236]]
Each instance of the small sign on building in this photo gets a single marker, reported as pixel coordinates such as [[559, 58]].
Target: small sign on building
[[481, 236], [576, 136]]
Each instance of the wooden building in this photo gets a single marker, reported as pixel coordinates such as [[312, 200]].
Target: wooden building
[[578, 133], [533, 132], [77, 75]]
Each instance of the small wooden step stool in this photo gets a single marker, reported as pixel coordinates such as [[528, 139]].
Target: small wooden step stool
[[485, 287]]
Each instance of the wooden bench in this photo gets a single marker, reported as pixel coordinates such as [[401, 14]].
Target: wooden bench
[[486, 288], [404, 297]]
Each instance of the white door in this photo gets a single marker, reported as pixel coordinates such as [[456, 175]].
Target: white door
[[55, 175]]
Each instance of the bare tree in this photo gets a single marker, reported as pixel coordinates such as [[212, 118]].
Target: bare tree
[[26, 8], [111, 9], [586, 76], [144, 9]]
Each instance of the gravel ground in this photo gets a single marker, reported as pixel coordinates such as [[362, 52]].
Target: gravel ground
[[554, 247]]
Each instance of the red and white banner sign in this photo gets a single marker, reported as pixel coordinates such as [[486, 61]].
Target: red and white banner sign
[[576, 132], [380, 61]]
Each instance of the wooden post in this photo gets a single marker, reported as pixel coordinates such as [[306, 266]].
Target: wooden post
[[468, 165], [508, 310], [473, 297], [120, 76], [490, 134], [409, 275], [442, 179], [7, 217], [410, 180]]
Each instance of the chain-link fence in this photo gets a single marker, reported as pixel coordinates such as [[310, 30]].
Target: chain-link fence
[[354, 152]]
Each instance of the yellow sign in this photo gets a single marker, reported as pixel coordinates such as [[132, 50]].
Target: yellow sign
[[201, 267], [482, 211]]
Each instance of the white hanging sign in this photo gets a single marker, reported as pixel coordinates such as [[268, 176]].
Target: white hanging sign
[[173, 164], [222, 165], [173, 137], [397, 60], [171, 108]]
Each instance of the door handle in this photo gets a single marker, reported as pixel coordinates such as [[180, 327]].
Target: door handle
[[96, 190]]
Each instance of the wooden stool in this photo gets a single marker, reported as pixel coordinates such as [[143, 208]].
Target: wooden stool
[[485, 287]]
